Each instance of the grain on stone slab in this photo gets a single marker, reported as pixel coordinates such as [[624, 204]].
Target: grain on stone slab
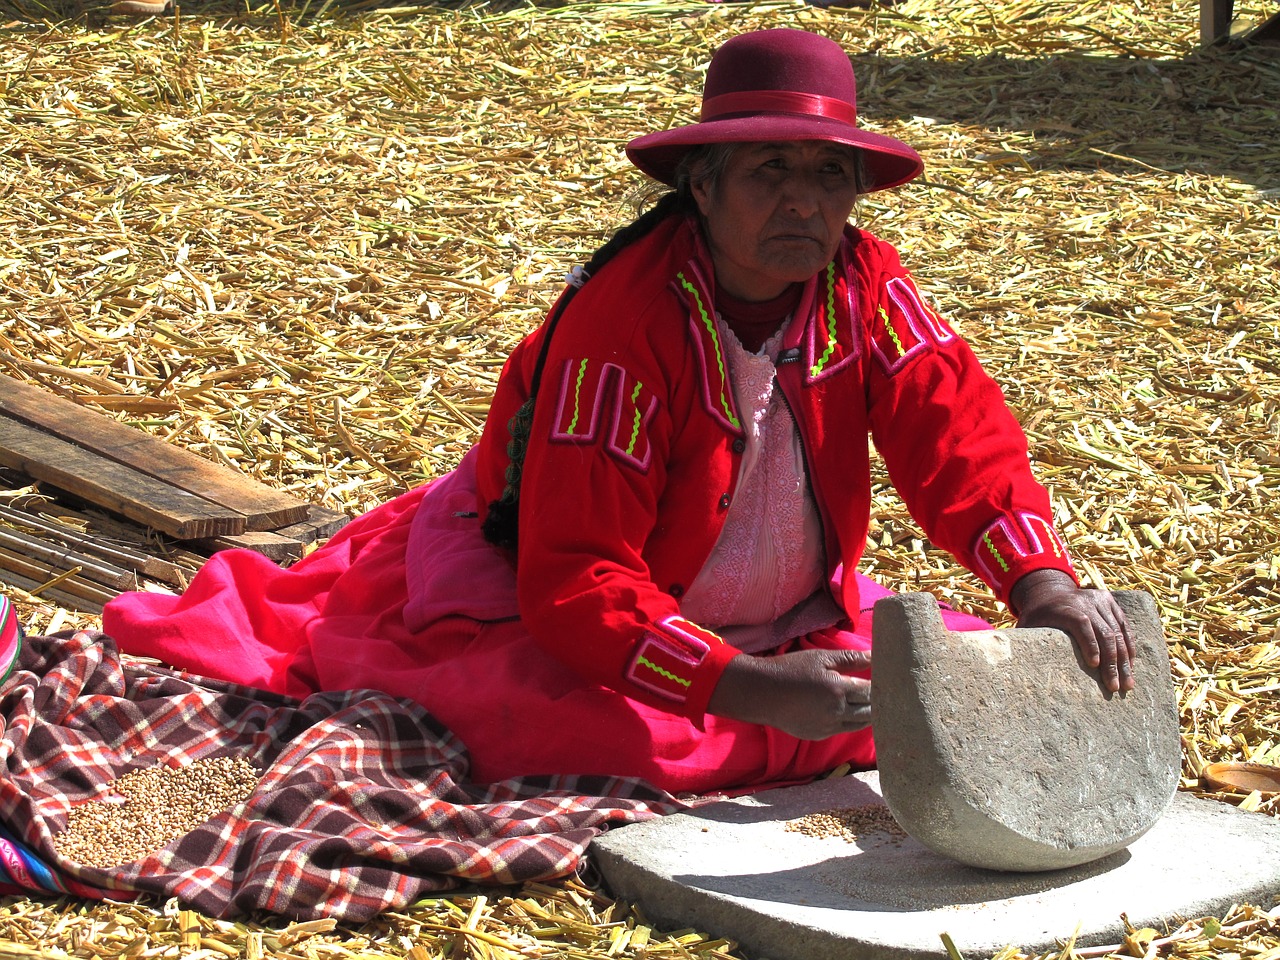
[[150, 808], [850, 824]]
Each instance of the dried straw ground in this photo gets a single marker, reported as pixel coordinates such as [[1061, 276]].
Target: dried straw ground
[[302, 238]]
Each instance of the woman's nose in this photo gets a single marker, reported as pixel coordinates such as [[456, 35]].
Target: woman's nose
[[801, 195]]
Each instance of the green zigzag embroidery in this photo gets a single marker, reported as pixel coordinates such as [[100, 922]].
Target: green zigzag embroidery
[[635, 422], [577, 396], [893, 334], [986, 538], [715, 339], [816, 369], [666, 673]]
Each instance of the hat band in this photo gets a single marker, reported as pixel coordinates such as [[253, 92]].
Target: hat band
[[779, 101]]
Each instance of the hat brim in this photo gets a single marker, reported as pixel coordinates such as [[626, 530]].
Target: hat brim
[[888, 161]]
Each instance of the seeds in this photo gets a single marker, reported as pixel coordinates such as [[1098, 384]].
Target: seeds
[[148, 809], [849, 824]]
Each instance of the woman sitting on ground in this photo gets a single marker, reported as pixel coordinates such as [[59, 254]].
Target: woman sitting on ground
[[646, 566]]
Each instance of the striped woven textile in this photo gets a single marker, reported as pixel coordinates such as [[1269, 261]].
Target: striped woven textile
[[363, 803], [21, 871], [10, 638]]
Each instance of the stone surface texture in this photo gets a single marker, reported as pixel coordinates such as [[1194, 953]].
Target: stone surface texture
[[998, 749], [739, 869]]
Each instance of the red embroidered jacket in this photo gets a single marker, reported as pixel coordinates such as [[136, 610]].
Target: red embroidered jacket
[[636, 445]]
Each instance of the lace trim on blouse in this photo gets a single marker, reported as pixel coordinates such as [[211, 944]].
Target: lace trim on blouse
[[762, 584]]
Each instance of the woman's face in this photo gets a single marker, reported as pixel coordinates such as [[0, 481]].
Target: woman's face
[[776, 214]]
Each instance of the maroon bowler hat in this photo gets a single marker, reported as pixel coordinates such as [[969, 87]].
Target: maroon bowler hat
[[777, 85]]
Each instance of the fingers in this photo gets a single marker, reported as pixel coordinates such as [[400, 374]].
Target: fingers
[[1086, 637], [1116, 646], [857, 713], [857, 705], [857, 693], [1106, 642], [1122, 622], [1099, 629], [850, 661], [857, 718]]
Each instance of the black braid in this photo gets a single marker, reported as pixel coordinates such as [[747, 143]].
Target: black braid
[[500, 523]]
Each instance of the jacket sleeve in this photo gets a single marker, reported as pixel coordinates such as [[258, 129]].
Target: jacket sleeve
[[953, 449], [593, 477]]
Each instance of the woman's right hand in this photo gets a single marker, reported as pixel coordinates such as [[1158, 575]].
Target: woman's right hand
[[807, 694]]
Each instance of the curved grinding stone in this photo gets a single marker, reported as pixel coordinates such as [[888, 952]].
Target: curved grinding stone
[[997, 749]]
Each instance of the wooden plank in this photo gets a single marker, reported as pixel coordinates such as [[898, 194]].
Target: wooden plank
[[271, 545], [177, 570], [112, 485], [321, 523], [72, 593], [1215, 20], [73, 581], [263, 507], [287, 543], [1267, 32]]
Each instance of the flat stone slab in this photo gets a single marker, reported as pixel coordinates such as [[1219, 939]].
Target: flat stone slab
[[1000, 749], [742, 869]]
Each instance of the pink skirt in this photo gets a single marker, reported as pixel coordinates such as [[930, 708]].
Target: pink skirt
[[369, 610]]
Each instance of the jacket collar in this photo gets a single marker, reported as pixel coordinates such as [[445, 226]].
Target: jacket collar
[[823, 328]]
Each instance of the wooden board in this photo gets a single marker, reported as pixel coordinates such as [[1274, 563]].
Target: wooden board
[[286, 544], [107, 483], [262, 507], [320, 524], [1267, 32], [1215, 20], [1218, 25], [271, 545]]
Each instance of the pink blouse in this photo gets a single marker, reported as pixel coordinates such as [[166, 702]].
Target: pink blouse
[[762, 583]]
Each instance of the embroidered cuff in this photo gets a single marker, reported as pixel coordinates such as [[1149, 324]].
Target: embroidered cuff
[[679, 662], [1015, 545]]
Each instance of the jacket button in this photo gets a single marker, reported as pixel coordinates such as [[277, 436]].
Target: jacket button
[[724, 502], [675, 590], [739, 445]]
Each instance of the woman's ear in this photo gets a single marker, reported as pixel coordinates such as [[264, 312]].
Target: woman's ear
[[701, 195]]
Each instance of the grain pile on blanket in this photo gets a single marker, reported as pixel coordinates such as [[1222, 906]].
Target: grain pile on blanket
[[300, 238], [150, 808], [340, 806]]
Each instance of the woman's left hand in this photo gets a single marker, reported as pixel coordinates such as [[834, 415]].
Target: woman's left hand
[[1092, 618]]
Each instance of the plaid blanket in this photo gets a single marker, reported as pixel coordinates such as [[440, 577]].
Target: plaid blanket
[[362, 806]]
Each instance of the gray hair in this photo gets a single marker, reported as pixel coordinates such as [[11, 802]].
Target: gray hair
[[708, 162], [704, 164]]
